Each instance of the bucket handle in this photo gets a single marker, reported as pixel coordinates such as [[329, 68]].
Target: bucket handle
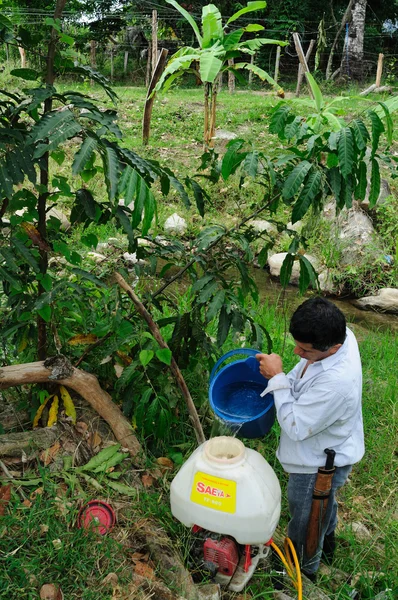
[[248, 351]]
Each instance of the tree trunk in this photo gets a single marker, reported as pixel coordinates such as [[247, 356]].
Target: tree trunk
[[352, 59], [212, 127], [22, 54], [154, 40], [150, 98], [231, 77], [346, 17], [206, 132], [44, 180]]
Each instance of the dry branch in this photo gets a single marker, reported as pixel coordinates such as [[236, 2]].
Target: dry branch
[[173, 365], [376, 90], [58, 369], [28, 442]]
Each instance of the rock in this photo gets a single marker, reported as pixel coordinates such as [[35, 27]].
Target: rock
[[53, 212], [385, 301], [96, 257], [222, 134], [362, 533], [281, 596], [51, 591], [325, 280], [260, 225], [57, 214], [175, 224], [356, 233], [297, 226], [102, 246], [122, 202], [275, 263], [209, 591], [385, 191], [336, 577], [130, 258]]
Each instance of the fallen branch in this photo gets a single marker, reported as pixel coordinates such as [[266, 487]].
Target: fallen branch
[[59, 369], [173, 365], [376, 90], [28, 442]]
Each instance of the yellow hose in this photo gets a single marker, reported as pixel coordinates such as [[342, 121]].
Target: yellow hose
[[291, 564]]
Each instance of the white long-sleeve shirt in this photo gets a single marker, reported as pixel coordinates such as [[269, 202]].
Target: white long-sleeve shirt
[[322, 409]]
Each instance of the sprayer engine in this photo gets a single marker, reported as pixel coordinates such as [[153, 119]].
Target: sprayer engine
[[229, 563]]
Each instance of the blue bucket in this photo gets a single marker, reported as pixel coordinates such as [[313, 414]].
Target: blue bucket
[[234, 395]]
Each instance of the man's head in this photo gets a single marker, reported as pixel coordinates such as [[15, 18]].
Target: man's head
[[318, 328]]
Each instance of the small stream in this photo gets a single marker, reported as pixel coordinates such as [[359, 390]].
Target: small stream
[[270, 290]]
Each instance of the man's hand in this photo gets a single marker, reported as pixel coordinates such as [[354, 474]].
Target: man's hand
[[270, 364]]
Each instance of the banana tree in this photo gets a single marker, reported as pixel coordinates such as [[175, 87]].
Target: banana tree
[[216, 45]]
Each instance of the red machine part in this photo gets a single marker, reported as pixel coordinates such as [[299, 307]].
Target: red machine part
[[223, 553]]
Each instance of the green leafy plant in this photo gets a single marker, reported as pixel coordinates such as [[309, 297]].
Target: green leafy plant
[[323, 157], [38, 128], [216, 46]]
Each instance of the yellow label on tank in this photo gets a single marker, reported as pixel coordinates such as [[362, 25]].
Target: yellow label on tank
[[214, 492]]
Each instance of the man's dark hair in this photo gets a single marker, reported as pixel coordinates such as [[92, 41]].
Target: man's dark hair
[[318, 322]]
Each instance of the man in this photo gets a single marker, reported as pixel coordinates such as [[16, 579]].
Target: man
[[318, 406]]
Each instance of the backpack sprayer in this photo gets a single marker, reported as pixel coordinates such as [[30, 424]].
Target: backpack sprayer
[[227, 493]]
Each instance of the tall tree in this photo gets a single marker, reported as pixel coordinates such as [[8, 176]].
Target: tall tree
[[352, 59]]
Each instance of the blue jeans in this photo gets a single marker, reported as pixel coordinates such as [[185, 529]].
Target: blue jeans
[[299, 492]]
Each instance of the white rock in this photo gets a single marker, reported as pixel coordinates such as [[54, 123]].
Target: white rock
[[175, 224], [325, 281], [261, 225], [96, 257], [102, 246], [130, 258], [385, 191], [53, 212], [356, 234], [297, 226], [361, 532], [57, 214], [222, 134], [122, 202], [385, 301], [276, 260]]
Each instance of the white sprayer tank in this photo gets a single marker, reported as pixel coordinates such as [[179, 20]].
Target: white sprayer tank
[[229, 489]]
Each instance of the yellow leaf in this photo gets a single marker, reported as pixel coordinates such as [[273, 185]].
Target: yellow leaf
[[68, 403], [76, 340], [24, 342], [40, 410], [53, 414]]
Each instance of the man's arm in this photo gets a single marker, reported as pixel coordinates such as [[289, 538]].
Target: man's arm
[[313, 412]]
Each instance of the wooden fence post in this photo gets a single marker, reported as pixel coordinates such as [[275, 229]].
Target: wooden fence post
[[154, 40], [301, 56], [300, 71], [379, 70], [93, 57], [251, 72], [148, 67], [278, 57], [231, 77], [146, 123]]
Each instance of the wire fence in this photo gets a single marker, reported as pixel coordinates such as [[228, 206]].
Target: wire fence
[[123, 59]]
